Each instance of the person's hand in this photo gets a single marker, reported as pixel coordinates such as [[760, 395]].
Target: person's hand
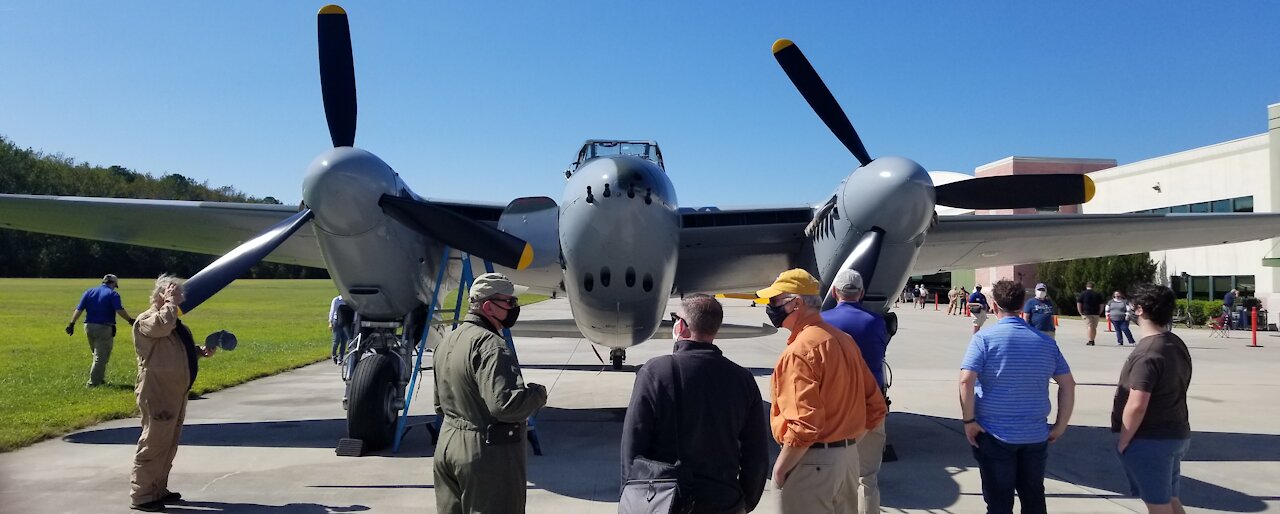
[[780, 475], [331, 327], [971, 431], [536, 389], [71, 328], [208, 351], [1122, 445], [131, 320], [1057, 431]]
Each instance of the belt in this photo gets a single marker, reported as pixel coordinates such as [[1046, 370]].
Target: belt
[[835, 444], [461, 424]]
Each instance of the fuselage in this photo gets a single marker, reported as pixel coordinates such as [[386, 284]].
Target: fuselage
[[619, 235]]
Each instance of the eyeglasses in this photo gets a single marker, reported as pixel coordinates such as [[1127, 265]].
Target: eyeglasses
[[676, 317]]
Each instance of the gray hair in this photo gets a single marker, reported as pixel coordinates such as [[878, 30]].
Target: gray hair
[[812, 301], [162, 282], [703, 313]]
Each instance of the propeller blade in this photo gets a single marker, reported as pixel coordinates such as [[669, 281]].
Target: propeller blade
[[459, 231], [337, 74], [806, 80], [237, 262], [1016, 191], [863, 258]]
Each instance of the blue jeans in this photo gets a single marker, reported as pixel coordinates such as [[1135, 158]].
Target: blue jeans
[[341, 334], [1122, 329], [1007, 468]]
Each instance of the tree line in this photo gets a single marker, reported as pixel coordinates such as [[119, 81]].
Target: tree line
[[27, 254]]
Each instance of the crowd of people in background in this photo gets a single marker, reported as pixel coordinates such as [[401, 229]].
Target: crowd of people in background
[[696, 427]]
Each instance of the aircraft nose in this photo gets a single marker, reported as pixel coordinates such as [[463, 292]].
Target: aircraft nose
[[343, 186]]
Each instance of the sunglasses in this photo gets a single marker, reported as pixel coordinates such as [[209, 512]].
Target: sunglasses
[[676, 317], [510, 303]]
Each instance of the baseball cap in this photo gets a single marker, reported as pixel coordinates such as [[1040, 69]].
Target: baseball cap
[[489, 285], [793, 281], [109, 279], [848, 281], [1041, 286]]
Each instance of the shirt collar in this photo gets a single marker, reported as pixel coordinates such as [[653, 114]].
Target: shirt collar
[[803, 322], [686, 345], [480, 320]]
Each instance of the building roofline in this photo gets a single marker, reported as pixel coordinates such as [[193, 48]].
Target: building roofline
[[1056, 160], [1233, 146]]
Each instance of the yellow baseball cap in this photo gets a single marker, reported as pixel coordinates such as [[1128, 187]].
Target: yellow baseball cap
[[793, 281]]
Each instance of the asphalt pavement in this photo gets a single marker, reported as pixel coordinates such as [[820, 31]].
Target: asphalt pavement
[[268, 446]]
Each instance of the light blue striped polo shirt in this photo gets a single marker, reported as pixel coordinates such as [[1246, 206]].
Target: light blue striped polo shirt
[[1014, 363]]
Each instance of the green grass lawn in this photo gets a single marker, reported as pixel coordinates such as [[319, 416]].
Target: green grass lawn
[[280, 325]]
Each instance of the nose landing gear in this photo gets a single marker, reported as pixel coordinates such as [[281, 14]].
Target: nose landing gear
[[616, 356]]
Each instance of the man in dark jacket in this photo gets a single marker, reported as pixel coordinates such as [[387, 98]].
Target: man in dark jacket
[[699, 408]]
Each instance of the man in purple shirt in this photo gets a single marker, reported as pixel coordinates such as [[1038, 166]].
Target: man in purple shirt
[[872, 336], [101, 304]]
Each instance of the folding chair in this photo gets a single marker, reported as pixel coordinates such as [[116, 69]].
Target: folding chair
[[1219, 327]]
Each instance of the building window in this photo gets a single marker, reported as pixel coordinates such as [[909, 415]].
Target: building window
[[1180, 208], [1221, 206], [1243, 204]]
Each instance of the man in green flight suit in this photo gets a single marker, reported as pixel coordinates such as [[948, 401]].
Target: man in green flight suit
[[480, 460]]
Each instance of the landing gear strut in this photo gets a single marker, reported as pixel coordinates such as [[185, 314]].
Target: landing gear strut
[[616, 356]]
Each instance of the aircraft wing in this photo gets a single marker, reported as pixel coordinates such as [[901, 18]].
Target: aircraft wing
[[738, 249], [979, 241], [203, 227]]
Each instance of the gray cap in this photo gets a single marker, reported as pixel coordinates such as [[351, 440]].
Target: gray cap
[[221, 339], [847, 281], [490, 284], [110, 279]]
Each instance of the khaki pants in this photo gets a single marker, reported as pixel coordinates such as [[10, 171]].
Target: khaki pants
[[164, 408], [822, 481], [870, 452], [471, 476], [100, 343]]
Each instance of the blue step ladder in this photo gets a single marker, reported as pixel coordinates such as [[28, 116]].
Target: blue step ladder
[[464, 286]]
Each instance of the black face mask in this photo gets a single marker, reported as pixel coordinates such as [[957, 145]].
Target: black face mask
[[777, 314], [512, 314]]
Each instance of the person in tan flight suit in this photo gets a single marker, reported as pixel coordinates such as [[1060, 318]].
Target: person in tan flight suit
[[167, 365], [480, 462]]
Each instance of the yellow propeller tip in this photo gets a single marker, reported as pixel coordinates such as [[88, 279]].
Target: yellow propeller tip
[[332, 9], [526, 257], [1089, 189], [782, 44]]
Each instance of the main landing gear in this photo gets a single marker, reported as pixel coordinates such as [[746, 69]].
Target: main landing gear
[[616, 356]]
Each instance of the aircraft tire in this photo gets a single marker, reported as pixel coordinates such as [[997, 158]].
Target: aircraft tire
[[371, 412]]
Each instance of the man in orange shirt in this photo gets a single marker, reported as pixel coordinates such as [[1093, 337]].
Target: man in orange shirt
[[824, 399]]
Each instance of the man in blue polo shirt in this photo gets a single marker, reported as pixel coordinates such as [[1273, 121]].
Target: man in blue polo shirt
[[869, 332], [1004, 403], [101, 304]]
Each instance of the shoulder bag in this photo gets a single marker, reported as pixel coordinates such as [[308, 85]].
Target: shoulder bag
[[653, 486]]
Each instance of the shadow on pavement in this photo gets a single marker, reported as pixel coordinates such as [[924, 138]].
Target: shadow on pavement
[[1084, 456], [292, 508], [581, 456], [311, 433]]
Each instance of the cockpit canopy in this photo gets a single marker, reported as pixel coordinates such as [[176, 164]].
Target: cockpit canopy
[[602, 148]]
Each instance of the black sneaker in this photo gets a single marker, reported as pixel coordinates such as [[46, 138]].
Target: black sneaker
[[1090, 343], [151, 506], [171, 497]]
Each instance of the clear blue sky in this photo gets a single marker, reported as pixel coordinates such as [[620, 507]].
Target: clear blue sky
[[490, 100]]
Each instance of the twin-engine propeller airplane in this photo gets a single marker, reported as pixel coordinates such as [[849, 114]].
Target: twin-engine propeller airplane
[[617, 245]]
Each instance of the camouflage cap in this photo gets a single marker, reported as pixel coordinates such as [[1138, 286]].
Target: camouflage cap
[[489, 285]]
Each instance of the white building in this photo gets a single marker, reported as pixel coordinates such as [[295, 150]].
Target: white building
[[1235, 176]]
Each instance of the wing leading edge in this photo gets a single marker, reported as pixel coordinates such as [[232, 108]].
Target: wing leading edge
[[979, 241], [212, 228]]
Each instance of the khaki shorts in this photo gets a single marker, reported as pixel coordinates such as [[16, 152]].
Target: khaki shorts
[[1091, 321]]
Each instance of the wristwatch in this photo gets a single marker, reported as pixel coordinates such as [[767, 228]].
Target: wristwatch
[[970, 420]]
